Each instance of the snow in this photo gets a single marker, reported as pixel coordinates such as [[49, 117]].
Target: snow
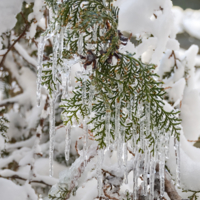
[[187, 20], [191, 22], [38, 15], [9, 10], [176, 92], [25, 55], [161, 28], [190, 166], [18, 192], [136, 17], [87, 191]]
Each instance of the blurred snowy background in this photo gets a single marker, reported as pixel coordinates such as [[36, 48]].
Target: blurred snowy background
[[164, 35]]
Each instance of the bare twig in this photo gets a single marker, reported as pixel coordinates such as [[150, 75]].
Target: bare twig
[[13, 44], [18, 177]]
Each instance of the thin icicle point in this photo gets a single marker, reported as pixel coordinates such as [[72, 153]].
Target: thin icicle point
[[125, 162], [99, 173], [162, 175], [85, 145], [119, 149], [152, 176], [177, 154], [142, 134], [107, 124], [161, 152], [146, 169], [51, 163], [135, 176], [67, 142], [51, 133]]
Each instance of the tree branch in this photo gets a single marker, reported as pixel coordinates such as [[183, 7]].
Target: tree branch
[[13, 44]]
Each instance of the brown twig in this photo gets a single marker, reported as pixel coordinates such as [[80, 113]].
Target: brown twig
[[194, 140], [13, 44], [175, 58], [130, 151], [167, 88], [76, 147], [34, 181], [107, 195]]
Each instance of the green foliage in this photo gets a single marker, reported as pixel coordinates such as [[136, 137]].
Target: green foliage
[[61, 195], [125, 80], [193, 196], [3, 130], [128, 197], [3, 124], [22, 17], [106, 81]]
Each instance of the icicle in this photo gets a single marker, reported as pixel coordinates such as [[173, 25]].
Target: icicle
[[61, 42], [120, 147], [70, 81], [84, 92], [67, 142], [50, 15], [142, 134], [125, 162], [153, 165], [39, 68], [95, 33], [134, 138], [146, 168], [107, 124], [130, 107], [91, 96], [161, 152], [65, 81], [99, 173], [162, 174], [135, 175], [152, 176], [64, 84], [147, 113], [80, 44], [51, 133], [85, 146], [177, 154], [55, 54], [167, 143], [117, 117]]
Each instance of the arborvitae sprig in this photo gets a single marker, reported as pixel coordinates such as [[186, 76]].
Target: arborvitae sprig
[[61, 195], [194, 196], [146, 89], [125, 79]]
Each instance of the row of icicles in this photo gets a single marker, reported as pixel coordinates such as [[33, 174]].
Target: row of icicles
[[144, 163]]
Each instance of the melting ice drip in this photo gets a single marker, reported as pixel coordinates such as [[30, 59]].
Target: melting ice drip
[[146, 161]]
